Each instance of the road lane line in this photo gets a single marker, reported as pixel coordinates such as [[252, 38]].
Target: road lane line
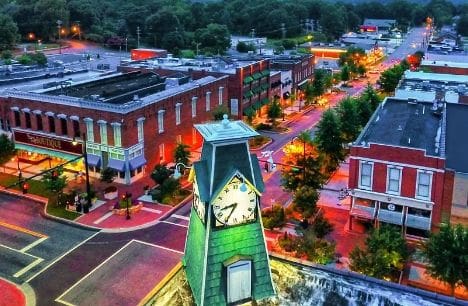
[[158, 246], [156, 211], [30, 246], [21, 229], [181, 225], [92, 271], [181, 217], [107, 215], [60, 257], [28, 267]]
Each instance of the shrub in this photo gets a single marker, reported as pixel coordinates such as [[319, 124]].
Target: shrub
[[108, 175], [288, 242], [264, 126], [274, 217], [288, 44], [321, 226], [160, 174]]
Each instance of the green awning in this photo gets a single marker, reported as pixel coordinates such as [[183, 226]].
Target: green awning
[[257, 75], [257, 90], [266, 72], [257, 105], [265, 101], [248, 79], [249, 111], [39, 150], [265, 86], [248, 94]]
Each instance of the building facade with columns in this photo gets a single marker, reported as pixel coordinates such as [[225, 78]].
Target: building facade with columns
[[130, 122]]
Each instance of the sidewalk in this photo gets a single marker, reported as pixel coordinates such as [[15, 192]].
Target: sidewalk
[[11, 295]]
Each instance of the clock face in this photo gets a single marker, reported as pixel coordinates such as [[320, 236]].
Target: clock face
[[235, 204], [197, 203]]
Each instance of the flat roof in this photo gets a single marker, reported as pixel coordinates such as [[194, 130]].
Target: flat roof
[[451, 57], [443, 77], [397, 122], [379, 22], [444, 64], [456, 146]]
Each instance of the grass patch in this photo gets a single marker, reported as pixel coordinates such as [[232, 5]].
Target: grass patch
[[61, 212], [258, 141], [173, 201]]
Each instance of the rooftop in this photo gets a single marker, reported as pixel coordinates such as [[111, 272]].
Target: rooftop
[[379, 22], [224, 130], [404, 123], [451, 57], [456, 144], [441, 77], [444, 64]]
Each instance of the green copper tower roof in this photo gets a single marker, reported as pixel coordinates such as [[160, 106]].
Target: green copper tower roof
[[225, 130]]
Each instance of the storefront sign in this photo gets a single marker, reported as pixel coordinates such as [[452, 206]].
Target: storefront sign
[[47, 142]]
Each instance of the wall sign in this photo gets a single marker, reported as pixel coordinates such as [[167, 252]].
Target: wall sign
[[391, 207], [44, 141]]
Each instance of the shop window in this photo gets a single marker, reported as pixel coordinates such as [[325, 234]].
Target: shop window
[[76, 128], [1, 124], [132, 173], [8, 126], [417, 232], [64, 126], [391, 207], [122, 174], [419, 212], [17, 118], [364, 202], [40, 127], [27, 117], [51, 124], [139, 169]]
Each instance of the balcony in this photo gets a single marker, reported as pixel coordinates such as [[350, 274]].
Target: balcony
[[363, 211], [390, 216], [418, 222]]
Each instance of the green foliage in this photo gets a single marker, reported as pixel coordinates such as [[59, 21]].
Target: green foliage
[[384, 256], [215, 38], [333, 21], [274, 217], [345, 74], [462, 25], [349, 119], [389, 78], [54, 181], [25, 59], [9, 33], [39, 58], [274, 111], [321, 226], [169, 187], [364, 110], [351, 57], [305, 201], [182, 153], [315, 249], [6, 55], [7, 149], [160, 174], [309, 173], [328, 137], [371, 96], [108, 175], [219, 111], [361, 70], [288, 44], [244, 47], [447, 253], [287, 242]]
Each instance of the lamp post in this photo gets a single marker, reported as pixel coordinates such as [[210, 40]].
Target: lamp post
[[128, 198], [59, 28], [88, 186], [177, 173]]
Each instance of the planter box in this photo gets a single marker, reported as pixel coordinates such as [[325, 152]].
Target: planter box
[[111, 195], [123, 211]]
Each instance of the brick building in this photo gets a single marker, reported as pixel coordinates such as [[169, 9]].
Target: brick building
[[301, 66], [446, 67], [406, 167], [131, 121]]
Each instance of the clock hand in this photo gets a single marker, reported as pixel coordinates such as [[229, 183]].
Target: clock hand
[[234, 205], [229, 206]]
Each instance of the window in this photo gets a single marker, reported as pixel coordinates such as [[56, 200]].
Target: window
[[393, 180], [89, 129], [27, 117], [194, 136], [103, 131], [64, 126], [161, 121], [239, 280], [117, 134], [179, 139], [177, 113], [208, 101], [161, 153], [140, 122], [423, 188], [220, 95], [365, 180], [51, 120], [1, 124], [76, 128], [194, 107], [40, 127], [17, 118]]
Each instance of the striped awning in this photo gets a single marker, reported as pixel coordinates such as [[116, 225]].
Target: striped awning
[[59, 154]]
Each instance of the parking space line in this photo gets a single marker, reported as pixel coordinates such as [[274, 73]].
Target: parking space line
[[21, 229], [158, 246], [107, 215], [156, 211], [180, 217], [181, 225], [60, 257], [31, 245], [28, 267], [91, 272]]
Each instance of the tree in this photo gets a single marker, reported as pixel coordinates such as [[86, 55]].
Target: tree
[[305, 201], [39, 58], [371, 96], [215, 38], [9, 33], [462, 25], [46, 13], [219, 111], [7, 149], [173, 42], [317, 250], [160, 174], [321, 225], [54, 181], [274, 217], [332, 21], [447, 253], [349, 119], [302, 173], [169, 188], [328, 138], [274, 111], [182, 154], [160, 23], [389, 79], [384, 255], [108, 175], [242, 47], [345, 73], [318, 84], [361, 70], [364, 110]]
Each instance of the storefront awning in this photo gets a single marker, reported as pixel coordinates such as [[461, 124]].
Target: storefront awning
[[248, 79], [257, 75], [257, 105], [257, 90], [248, 94], [116, 164], [137, 162], [265, 101], [265, 86], [266, 72], [59, 154], [303, 84], [94, 160]]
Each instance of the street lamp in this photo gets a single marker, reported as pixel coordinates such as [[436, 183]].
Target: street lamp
[[177, 173], [88, 186], [128, 198], [59, 27]]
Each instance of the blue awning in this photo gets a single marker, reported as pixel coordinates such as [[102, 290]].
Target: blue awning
[[116, 164], [137, 162], [94, 160]]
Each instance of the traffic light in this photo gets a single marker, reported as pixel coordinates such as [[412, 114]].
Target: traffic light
[[25, 187]]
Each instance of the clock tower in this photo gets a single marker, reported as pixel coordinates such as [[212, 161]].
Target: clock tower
[[226, 259]]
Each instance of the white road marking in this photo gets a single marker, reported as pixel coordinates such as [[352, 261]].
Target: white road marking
[[107, 215], [28, 267], [158, 246], [181, 225], [156, 211], [30, 246], [181, 217], [60, 257]]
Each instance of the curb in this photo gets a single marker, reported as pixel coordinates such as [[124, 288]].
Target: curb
[[263, 146]]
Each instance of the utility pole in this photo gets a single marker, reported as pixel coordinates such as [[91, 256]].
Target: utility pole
[[59, 27], [283, 31], [252, 33], [138, 37]]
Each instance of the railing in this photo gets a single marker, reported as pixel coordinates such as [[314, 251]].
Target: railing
[[390, 216], [363, 211], [418, 222]]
